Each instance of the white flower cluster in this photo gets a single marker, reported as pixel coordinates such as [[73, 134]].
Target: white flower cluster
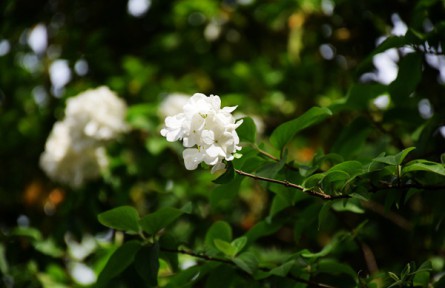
[[206, 130], [74, 151]]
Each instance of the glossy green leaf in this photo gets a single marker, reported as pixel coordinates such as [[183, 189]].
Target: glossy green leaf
[[225, 247], [352, 168], [154, 222], [286, 131], [147, 264], [118, 262], [239, 243], [334, 181], [424, 165], [247, 130], [394, 159], [313, 181], [123, 218]]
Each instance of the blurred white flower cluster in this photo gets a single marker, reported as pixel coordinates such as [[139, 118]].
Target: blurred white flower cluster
[[206, 130], [74, 151]]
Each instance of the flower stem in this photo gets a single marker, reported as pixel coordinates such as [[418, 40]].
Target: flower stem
[[293, 185]]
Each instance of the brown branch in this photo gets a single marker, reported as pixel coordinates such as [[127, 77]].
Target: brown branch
[[318, 194], [229, 262], [369, 256], [390, 215], [267, 154]]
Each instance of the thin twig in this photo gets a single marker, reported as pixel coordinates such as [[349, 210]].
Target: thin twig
[[270, 156], [267, 154], [229, 262], [292, 185]]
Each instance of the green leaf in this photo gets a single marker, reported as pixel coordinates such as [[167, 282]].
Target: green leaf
[[261, 229], [247, 130], [239, 243], [154, 222], [334, 267], [219, 230], [281, 271], [286, 131], [193, 274], [410, 73], [147, 264], [350, 205], [123, 218], [225, 247], [422, 275], [118, 262], [279, 203], [339, 237], [424, 165], [352, 168], [352, 138], [393, 276], [313, 180], [48, 247], [334, 181], [227, 176], [359, 97], [223, 196], [394, 159], [169, 241], [247, 261], [284, 198]]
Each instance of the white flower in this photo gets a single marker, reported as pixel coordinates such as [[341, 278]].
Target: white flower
[[173, 104], [63, 163], [206, 130], [97, 114], [74, 151]]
